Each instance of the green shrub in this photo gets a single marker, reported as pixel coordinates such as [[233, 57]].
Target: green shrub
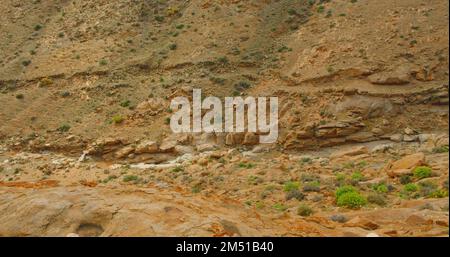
[[246, 165], [216, 80], [292, 12], [357, 176], [109, 178], [178, 169], [441, 193], [442, 149], [306, 160], [254, 180], [422, 172], [130, 178], [173, 46], [223, 60], [411, 188], [64, 128], [348, 165], [196, 189], [125, 103], [352, 200], [291, 185], [380, 188], [321, 9], [304, 210], [344, 190], [279, 207], [159, 18], [117, 119], [340, 177]]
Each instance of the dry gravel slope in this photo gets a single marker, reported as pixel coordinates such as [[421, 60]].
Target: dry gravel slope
[[97, 77]]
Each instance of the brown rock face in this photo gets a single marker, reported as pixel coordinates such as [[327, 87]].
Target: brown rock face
[[350, 152], [406, 164], [147, 147], [362, 223], [397, 77], [124, 152]]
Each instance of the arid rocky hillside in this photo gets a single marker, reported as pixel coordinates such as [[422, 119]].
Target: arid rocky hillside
[[85, 144]]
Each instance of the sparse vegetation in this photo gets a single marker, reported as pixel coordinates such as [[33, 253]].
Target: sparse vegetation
[[280, 207], [173, 46], [294, 194], [26, 63], [377, 199], [159, 18], [130, 178], [246, 165], [64, 128], [117, 119], [357, 176], [312, 187], [87, 103], [411, 188], [422, 172], [37, 27], [348, 196], [441, 149], [304, 210], [125, 103], [46, 82], [178, 169], [291, 185], [196, 189], [352, 200], [380, 188], [405, 179]]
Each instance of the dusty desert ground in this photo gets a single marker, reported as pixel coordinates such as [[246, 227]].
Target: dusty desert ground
[[85, 92]]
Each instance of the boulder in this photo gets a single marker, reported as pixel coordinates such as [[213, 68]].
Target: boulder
[[152, 106], [416, 220], [400, 76], [406, 164], [350, 152], [382, 148], [146, 147], [410, 138], [124, 152], [250, 139], [362, 223], [365, 106], [361, 137], [184, 149], [168, 145], [396, 138], [206, 147]]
